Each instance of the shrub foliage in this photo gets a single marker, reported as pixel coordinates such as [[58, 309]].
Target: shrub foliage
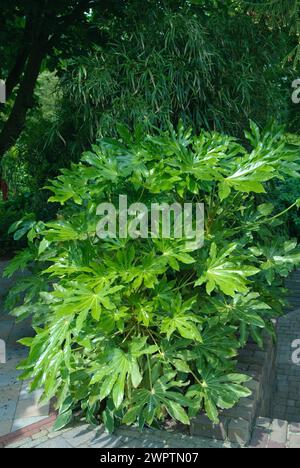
[[136, 331]]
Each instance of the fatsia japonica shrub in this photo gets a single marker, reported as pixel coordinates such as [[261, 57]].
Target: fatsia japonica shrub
[[141, 330]]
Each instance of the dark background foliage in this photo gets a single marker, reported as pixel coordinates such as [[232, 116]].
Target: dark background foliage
[[75, 68]]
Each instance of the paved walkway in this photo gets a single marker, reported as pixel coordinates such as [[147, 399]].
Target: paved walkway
[[85, 436], [275, 434], [18, 407], [286, 404], [267, 434]]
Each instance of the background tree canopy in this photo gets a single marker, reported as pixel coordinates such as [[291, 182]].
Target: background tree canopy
[[74, 68]]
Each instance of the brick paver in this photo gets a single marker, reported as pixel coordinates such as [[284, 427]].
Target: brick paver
[[85, 436], [267, 434], [286, 403], [275, 434]]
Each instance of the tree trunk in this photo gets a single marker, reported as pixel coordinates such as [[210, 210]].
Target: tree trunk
[[41, 40], [4, 189], [24, 100], [30, 58], [16, 72]]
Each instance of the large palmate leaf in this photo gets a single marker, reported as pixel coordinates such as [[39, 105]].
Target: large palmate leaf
[[173, 253], [277, 257], [218, 347], [83, 299], [62, 231], [19, 263], [50, 353], [107, 168], [247, 308], [216, 390], [148, 272], [228, 275], [163, 294], [147, 403], [182, 320], [248, 312], [68, 186], [116, 368], [248, 178], [145, 273]]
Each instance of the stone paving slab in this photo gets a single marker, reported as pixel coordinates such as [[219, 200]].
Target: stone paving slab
[[267, 434], [286, 402], [275, 434], [85, 436], [18, 408]]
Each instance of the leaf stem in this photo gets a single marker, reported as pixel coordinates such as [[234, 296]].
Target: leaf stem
[[284, 212], [150, 375]]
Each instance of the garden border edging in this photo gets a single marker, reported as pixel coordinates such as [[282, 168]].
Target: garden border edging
[[30, 430], [237, 424]]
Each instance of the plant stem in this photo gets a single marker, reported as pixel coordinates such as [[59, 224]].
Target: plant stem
[[150, 375], [283, 212]]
